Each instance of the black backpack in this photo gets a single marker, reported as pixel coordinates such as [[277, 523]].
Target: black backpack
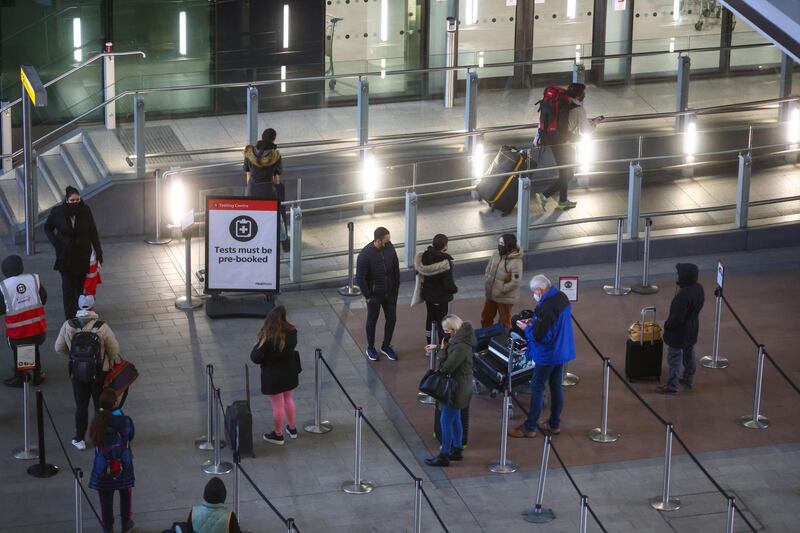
[[85, 357]]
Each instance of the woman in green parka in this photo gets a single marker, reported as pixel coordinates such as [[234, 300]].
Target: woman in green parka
[[455, 356]]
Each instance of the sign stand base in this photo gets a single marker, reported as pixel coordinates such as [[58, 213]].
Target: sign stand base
[[240, 306]]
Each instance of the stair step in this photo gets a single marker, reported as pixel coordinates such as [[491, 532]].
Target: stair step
[[54, 167], [82, 162], [44, 194], [13, 198]]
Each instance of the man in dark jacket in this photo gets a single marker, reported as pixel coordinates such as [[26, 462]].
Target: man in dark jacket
[[551, 344], [378, 277], [435, 284], [71, 230], [681, 327]]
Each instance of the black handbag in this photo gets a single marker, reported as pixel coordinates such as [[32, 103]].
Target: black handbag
[[440, 386]]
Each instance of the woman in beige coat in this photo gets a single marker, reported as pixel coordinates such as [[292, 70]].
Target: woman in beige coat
[[501, 281]]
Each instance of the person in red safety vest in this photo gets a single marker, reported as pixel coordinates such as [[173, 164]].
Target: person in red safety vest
[[93, 277], [23, 299]]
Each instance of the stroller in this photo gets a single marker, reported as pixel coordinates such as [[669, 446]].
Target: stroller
[[330, 31], [710, 14]]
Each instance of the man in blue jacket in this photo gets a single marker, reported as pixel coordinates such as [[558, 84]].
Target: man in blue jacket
[[550, 345]]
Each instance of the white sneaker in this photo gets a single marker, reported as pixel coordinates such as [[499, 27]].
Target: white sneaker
[[81, 445]]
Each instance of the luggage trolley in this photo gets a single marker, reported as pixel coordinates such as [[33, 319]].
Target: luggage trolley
[[330, 32], [709, 13]]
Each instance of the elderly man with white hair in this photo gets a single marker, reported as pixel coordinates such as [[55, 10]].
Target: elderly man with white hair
[[551, 344]]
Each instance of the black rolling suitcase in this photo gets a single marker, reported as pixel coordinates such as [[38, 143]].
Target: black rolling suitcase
[[644, 349], [490, 366], [484, 335], [501, 192], [437, 425], [239, 422]]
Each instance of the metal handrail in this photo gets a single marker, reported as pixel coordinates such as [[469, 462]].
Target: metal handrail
[[75, 69]]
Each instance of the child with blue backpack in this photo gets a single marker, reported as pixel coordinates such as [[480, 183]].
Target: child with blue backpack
[[111, 432]]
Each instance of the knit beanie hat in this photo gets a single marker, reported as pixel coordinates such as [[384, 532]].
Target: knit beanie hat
[[12, 266], [215, 491]]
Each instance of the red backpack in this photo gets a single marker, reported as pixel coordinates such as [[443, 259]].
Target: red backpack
[[553, 115]]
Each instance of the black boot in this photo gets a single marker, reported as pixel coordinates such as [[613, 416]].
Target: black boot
[[439, 460], [457, 454]]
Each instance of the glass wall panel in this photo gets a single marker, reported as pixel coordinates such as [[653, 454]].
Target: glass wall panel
[[561, 29], [376, 36], [760, 57], [618, 32], [663, 25], [486, 35]]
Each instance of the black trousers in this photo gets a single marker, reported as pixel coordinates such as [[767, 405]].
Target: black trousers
[[83, 392], [107, 506], [436, 312], [387, 302], [71, 289], [564, 154]]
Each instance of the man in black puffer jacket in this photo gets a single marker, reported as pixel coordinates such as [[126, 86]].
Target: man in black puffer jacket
[[681, 327], [378, 277], [435, 284]]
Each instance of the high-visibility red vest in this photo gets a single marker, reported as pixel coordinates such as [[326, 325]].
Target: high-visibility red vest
[[93, 277], [24, 309]]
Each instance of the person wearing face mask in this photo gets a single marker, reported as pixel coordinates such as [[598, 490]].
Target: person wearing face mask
[[501, 281], [562, 144], [378, 277], [71, 230], [681, 327], [551, 344], [435, 284]]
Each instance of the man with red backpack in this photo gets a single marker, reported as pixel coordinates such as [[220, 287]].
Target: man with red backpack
[[562, 121]]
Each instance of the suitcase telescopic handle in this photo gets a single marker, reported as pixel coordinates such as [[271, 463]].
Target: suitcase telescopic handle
[[645, 310]]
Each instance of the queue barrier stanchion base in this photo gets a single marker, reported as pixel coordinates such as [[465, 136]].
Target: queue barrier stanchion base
[[26, 455], [323, 427], [351, 487], [708, 362], [499, 468], [425, 399], [749, 422], [672, 504], [644, 289], [616, 291], [224, 467], [570, 379], [43, 471], [349, 291], [182, 302], [597, 435], [540, 515]]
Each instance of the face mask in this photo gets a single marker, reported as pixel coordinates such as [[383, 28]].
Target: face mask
[[72, 208], [446, 337], [536, 297], [501, 249]]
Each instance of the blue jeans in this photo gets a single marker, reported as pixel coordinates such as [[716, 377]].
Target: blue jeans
[[543, 374], [452, 430], [677, 357]]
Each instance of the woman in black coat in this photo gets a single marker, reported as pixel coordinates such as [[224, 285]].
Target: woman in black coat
[[71, 230], [280, 366]]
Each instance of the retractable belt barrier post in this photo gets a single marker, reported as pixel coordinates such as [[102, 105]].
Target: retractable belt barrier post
[[584, 514], [358, 485], [318, 426], [217, 466], [417, 505], [504, 466], [77, 474], [665, 502], [714, 360], [756, 420], [41, 469], [539, 514], [421, 396], [186, 302], [350, 289], [206, 442], [617, 289], [237, 459], [603, 434], [158, 239], [27, 452], [731, 514], [646, 287]]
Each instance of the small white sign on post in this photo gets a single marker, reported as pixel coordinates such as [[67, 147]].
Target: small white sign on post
[[26, 357], [620, 5], [720, 274], [569, 286]]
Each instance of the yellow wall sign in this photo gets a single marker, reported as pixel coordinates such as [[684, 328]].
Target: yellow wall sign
[[33, 85]]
